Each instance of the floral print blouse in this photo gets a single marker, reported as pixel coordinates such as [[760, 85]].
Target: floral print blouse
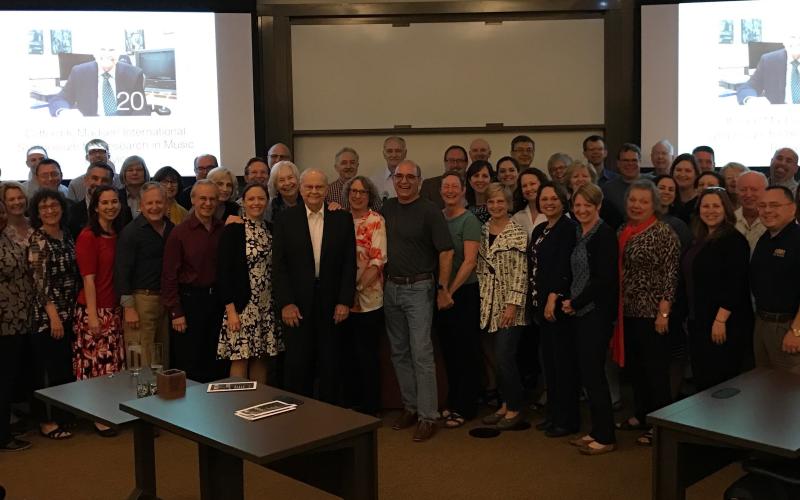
[[370, 251], [55, 276], [16, 292]]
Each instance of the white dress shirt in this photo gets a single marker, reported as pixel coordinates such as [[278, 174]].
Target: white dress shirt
[[316, 223], [385, 184]]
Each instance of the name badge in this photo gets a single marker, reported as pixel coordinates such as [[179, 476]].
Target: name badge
[[779, 252]]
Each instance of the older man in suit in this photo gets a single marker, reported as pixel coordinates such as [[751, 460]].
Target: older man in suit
[[777, 76], [314, 282], [103, 87]]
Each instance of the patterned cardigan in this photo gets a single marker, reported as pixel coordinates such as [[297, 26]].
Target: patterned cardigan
[[502, 273], [650, 270]]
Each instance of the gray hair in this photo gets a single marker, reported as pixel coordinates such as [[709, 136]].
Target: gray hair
[[646, 185], [757, 174], [368, 185], [345, 149], [218, 172], [732, 165], [498, 187], [395, 138], [313, 170], [562, 157], [149, 186], [129, 162], [273, 176], [202, 182], [666, 144], [419, 170]]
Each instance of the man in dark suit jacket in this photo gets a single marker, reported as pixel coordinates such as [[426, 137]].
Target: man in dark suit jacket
[[455, 158], [81, 90], [98, 174], [313, 282], [770, 79]]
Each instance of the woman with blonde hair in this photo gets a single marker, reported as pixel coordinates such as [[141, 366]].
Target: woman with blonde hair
[[227, 187]]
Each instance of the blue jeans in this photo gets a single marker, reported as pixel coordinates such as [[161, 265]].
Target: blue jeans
[[408, 310], [508, 381]]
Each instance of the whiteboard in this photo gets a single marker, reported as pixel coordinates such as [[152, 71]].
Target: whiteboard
[[455, 74]]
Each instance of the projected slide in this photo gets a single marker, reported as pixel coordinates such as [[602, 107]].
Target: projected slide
[[737, 87], [144, 82]]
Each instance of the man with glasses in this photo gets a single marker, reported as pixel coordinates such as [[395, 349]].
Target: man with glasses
[[523, 150], [774, 278], [346, 165], [629, 168], [394, 151], [203, 164], [417, 241], [278, 152], [47, 175], [455, 158], [595, 152]]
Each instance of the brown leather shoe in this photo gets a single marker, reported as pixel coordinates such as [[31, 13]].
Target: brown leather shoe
[[425, 430], [405, 420]]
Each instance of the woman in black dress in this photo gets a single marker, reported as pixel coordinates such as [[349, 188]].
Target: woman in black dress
[[715, 271]]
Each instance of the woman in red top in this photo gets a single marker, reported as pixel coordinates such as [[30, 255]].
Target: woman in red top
[[99, 347]]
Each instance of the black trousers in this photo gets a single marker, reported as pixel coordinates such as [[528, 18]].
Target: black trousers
[[647, 358], [11, 347], [313, 354], [592, 333], [195, 350], [713, 364], [459, 338], [561, 373], [52, 366], [361, 334]]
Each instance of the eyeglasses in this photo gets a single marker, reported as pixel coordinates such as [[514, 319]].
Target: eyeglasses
[[773, 206], [50, 207], [278, 157], [406, 177], [359, 192], [51, 175]]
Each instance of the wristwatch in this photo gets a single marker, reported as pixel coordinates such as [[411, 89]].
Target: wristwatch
[[796, 331], [664, 315]]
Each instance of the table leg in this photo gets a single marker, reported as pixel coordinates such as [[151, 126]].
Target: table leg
[[360, 474], [221, 476], [144, 461], [347, 469], [666, 482], [681, 460]]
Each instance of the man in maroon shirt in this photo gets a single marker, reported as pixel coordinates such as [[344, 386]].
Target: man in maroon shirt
[[188, 287]]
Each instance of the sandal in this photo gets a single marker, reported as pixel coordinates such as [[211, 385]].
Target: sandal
[[106, 433], [454, 420], [626, 425], [56, 434], [645, 439]]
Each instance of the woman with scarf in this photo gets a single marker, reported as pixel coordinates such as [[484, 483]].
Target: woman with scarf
[[649, 254]]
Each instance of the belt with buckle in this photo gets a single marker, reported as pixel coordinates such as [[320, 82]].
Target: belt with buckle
[[144, 291], [407, 280], [774, 317]]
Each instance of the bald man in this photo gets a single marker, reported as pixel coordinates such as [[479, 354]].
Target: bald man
[[313, 282], [479, 149], [782, 169]]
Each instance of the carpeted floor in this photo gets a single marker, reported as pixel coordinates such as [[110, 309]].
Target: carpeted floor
[[453, 465]]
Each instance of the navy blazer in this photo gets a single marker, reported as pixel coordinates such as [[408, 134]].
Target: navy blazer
[[293, 280], [769, 80], [80, 91]]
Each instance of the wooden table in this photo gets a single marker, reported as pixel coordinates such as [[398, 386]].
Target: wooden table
[[328, 447], [699, 435]]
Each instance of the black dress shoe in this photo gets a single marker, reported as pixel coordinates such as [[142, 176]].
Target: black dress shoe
[[405, 420], [557, 432], [544, 425]]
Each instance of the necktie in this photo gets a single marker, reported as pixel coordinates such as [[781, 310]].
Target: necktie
[[109, 99], [795, 82]]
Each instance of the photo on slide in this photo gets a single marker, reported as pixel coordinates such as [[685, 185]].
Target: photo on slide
[[106, 73]]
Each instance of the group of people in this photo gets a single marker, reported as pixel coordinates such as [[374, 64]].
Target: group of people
[[579, 267]]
